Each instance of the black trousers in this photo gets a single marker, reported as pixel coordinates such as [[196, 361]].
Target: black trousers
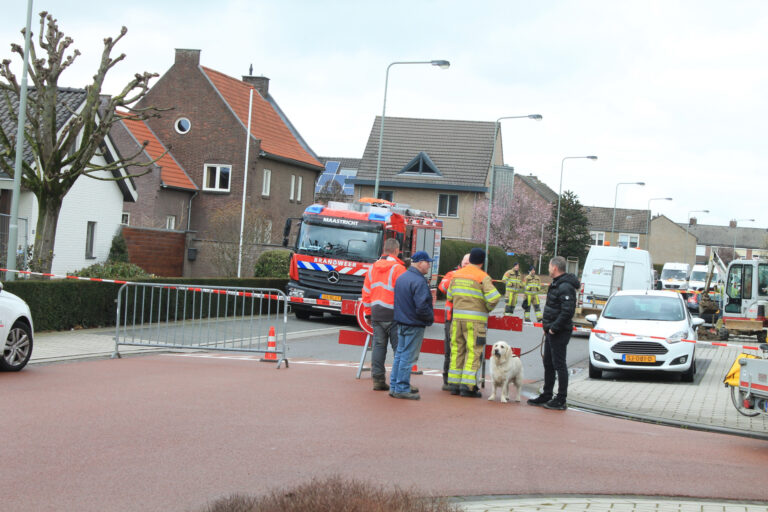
[[555, 346], [447, 349]]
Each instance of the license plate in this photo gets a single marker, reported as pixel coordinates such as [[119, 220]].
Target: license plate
[[630, 358], [330, 297]]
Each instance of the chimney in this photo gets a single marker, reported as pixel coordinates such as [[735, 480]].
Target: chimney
[[191, 57], [692, 221], [261, 83], [732, 224]]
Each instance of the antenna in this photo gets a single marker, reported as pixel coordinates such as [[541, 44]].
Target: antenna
[[250, 70]]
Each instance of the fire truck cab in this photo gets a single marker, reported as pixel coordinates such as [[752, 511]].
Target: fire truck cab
[[337, 244]]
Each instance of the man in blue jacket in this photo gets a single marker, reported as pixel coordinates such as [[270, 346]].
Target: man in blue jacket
[[413, 312]]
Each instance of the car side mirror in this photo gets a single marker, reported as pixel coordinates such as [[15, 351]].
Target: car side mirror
[[592, 318], [697, 321]]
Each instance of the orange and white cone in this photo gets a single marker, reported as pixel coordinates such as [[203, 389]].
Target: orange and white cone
[[270, 355], [415, 370]]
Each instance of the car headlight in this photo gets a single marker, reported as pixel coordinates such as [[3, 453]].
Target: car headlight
[[605, 336], [679, 335]]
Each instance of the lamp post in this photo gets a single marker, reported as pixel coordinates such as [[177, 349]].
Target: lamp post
[[648, 220], [560, 192], [535, 117], [687, 225], [442, 64], [735, 222], [615, 197]]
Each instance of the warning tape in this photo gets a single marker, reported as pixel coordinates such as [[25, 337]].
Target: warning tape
[[662, 338]]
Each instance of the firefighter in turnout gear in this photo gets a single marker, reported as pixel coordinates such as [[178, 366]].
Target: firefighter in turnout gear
[[473, 296], [532, 285], [443, 287], [513, 281]]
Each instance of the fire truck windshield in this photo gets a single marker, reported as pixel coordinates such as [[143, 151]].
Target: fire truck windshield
[[337, 242]]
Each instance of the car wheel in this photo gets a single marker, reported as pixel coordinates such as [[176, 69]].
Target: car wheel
[[18, 348], [687, 375], [302, 314], [595, 373]]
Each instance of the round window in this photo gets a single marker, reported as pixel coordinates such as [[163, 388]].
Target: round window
[[183, 125]]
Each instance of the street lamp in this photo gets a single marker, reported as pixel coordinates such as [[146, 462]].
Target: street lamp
[[647, 221], [687, 225], [442, 64], [735, 222], [535, 117], [560, 192], [615, 197]]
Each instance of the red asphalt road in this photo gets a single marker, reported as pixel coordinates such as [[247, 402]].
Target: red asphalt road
[[168, 432]]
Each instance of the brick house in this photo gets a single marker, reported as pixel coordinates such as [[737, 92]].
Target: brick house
[[630, 229], [199, 182]]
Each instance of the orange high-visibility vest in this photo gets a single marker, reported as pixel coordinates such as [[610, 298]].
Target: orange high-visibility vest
[[443, 287], [379, 288]]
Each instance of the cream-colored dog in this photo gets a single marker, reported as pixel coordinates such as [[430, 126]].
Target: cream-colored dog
[[506, 368]]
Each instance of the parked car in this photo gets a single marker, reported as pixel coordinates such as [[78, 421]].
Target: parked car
[[674, 276], [16, 329], [643, 329]]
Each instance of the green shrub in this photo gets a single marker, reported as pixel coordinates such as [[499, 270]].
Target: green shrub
[[118, 252], [114, 270], [452, 251], [273, 264]]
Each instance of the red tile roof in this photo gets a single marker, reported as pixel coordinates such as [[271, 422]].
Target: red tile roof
[[171, 173], [266, 125]]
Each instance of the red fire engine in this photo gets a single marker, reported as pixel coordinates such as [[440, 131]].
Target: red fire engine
[[336, 245]]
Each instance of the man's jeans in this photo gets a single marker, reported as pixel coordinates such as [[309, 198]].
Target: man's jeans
[[383, 332], [555, 346], [409, 340]]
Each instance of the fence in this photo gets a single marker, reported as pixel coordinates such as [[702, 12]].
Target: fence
[[188, 317]]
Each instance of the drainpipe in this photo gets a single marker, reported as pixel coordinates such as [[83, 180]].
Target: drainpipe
[[189, 209]]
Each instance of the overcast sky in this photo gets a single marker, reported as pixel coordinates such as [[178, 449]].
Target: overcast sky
[[672, 93]]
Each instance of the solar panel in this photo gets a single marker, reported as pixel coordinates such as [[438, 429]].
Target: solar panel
[[322, 180], [349, 189], [331, 167], [348, 172]]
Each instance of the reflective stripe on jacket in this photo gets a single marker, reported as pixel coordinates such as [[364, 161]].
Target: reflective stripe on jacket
[[473, 294], [379, 288], [513, 280], [532, 284]]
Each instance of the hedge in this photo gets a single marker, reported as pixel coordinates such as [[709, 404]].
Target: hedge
[[64, 304], [452, 251]]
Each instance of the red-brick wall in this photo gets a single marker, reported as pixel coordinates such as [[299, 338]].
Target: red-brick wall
[[159, 252]]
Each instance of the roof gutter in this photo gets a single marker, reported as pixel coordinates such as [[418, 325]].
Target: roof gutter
[[277, 158]]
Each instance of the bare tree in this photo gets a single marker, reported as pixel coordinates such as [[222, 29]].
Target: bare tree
[[59, 160], [257, 231]]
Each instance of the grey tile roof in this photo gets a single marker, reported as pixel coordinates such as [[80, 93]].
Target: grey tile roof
[[344, 162], [627, 221], [723, 236], [539, 186], [461, 150], [69, 100]]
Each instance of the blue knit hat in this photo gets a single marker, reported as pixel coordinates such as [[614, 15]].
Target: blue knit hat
[[477, 256]]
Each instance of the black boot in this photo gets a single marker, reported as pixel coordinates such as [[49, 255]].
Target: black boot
[[380, 383], [474, 392], [557, 404], [446, 386], [540, 400]]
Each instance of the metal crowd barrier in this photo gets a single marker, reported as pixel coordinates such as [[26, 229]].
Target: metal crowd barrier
[[191, 317]]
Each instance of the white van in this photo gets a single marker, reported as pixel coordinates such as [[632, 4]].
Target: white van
[[609, 269], [699, 278], [674, 276]]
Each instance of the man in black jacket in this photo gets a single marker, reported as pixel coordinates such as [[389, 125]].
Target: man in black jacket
[[557, 322]]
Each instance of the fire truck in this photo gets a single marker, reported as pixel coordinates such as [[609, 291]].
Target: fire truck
[[337, 244]]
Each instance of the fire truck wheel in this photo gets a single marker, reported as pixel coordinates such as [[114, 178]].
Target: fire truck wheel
[[302, 314]]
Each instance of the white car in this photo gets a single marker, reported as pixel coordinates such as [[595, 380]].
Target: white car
[[16, 331], [643, 331]]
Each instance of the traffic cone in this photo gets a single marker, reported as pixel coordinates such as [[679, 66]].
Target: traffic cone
[[415, 370], [270, 355]]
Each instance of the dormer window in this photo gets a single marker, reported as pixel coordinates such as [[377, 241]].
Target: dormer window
[[421, 165]]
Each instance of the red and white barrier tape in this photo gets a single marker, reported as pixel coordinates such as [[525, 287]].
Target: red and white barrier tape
[[662, 338]]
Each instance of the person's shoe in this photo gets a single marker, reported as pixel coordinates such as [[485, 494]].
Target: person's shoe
[[380, 384], [406, 396], [414, 389], [447, 387], [540, 400], [508, 310], [471, 393], [454, 389], [557, 404]]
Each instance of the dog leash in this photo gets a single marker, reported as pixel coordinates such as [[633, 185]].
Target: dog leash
[[534, 348]]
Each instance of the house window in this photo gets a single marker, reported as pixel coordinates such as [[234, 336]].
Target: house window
[[628, 240], [126, 219], [598, 237], [299, 183], [217, 177], [448, 205], [293, 186], [264, 232], [387, 195], [266, 183], [170, 222], [90, 234]]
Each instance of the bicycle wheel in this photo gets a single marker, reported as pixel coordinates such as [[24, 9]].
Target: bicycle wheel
[[737, 397]]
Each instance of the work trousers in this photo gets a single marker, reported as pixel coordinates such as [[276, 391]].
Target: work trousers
[[447, 350], [514, 295], [383, 333], [467, 351], [555, 348], [531, 298]]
